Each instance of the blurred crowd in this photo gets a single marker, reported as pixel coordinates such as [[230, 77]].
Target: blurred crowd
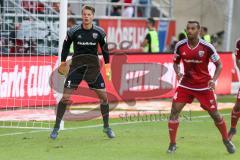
[[129, 10], [40, 8], [124, 8]]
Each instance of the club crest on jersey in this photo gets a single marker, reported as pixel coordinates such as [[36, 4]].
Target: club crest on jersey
[[201, 53], [95, 35]]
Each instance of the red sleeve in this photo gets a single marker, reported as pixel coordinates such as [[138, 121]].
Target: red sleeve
[[238, 49], [213, 53], [177, 56]]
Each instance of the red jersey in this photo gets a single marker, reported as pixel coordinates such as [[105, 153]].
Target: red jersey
[[127, 1], [195, 61], [238, 49]]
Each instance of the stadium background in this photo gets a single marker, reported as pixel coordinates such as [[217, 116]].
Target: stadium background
[[29, 38]]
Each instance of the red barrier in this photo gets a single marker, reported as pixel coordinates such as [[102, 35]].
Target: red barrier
[[25, 81], [224, 81]]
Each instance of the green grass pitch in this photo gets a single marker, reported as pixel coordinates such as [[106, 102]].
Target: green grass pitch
[[198, 139]]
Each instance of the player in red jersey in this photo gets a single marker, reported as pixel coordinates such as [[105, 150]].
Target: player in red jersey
[[236, 109], [196, 82]]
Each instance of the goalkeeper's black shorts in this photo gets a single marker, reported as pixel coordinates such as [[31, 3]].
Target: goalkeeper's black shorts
[[91, 75]]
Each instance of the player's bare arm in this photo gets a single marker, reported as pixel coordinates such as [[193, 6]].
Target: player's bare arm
[[217, 72], [238, 63], [176, 67], [176, 63]]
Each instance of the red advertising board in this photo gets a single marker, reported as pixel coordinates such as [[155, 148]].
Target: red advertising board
[[27, 81], [224, 81], [24, 81]]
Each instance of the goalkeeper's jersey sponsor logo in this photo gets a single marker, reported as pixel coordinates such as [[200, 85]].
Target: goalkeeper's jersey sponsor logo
[[87, 43]]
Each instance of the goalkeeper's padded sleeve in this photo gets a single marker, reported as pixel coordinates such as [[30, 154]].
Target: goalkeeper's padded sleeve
[[65, 49]]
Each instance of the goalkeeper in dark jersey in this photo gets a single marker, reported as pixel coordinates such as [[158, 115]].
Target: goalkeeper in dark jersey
[[85, 66]]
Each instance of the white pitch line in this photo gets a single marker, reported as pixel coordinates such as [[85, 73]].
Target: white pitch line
[[208, 116], [96, 126], [19, 133], [82, 127]]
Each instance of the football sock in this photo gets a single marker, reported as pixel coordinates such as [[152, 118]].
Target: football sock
[[221, 125], [105, 114], [234, 118], [172, 128], [61, 108]]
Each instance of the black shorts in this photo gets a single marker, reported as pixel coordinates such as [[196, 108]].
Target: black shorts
[[91, 75]]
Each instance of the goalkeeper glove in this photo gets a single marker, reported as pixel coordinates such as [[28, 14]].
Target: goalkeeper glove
[[108, 71], [63, 69]]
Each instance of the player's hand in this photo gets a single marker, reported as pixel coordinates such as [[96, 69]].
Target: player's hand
[[211, 84], [62, 69], [179, 76], [108, 71]]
